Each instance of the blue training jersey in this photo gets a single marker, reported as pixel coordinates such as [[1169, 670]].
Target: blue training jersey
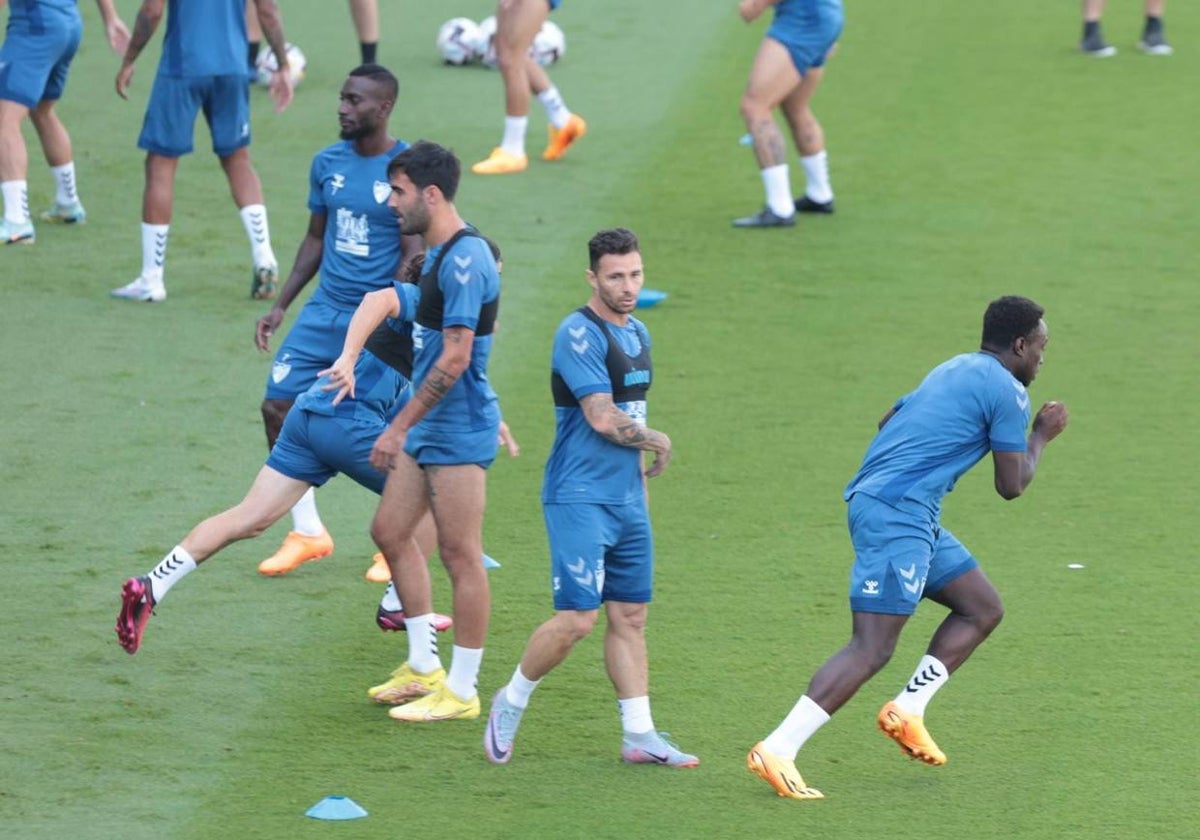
[[362, 236], [204, 38], [964, 408], [804, 15], [465, 293], [584, 466], [378, 388]]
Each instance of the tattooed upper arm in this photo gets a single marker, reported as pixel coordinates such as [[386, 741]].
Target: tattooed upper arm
[[597, 406]]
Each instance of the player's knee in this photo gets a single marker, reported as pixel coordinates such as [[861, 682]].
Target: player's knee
[[578, 624], [752, 109], [872, 653], [989, 614], [384, 537]]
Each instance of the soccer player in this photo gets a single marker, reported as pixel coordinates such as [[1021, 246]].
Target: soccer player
[[786, 72], [202, 68], [39, 44], [517, 24], [355, 243], [970, 405], [440, 445], [1152, 42], [366, 25], [594, 500]]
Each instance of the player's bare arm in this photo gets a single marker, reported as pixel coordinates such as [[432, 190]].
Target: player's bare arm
[[751, 9], [1014, 470], [144, 25], [271, 21], [608, 420], [114, 28], [371, 312], [305, 267]]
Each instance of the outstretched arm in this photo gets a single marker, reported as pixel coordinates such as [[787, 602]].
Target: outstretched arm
[[1014, 470], [611, 422], [375, 306]]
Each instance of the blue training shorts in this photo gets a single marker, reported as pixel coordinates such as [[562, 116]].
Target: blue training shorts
[[808, 47], [599, 553], [36, 56], [311, 345], [899, 557], [176, 100], [430, 447], [316, 447]]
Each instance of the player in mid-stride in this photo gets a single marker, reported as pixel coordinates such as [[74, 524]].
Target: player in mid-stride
[[594, 500], [970, 405]]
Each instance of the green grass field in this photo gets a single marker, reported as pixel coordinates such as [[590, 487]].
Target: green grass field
[[974, 154]]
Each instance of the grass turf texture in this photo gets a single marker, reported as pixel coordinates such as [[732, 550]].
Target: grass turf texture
[[974, 154]]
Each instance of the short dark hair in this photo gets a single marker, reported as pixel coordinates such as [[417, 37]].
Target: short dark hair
[[1007, 319], [428, 164], [611, 241], [380, 75], [412, 271]]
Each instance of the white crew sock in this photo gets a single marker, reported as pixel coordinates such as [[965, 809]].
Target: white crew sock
[[391, 599], [635, 715], [779, 190], [514, 135], [930, 676], [305, 519], [16, 201], [254, 219], [519, 689], [64, 179], [816, 174], [805, 718], [169, 571], [422, 643], [556, 108], [464, 671], [154, 251]]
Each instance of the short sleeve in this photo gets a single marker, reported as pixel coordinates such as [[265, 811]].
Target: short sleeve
[[580, 357]]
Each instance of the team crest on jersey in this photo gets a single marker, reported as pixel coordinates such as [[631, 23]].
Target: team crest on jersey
[[381, 190], [353, 233], [336, 183], [281, 369]]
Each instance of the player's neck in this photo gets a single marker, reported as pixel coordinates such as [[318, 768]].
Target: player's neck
[[442, 226], [374, 144], [621, 319], [1003, 357]]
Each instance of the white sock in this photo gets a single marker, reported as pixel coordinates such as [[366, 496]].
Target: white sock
[[635, 715], [422, 643], [514, 135], [805, 718], [169, 571], [816, 174], [556, 109], [305, 519], [519, 689], [391, 598], [64, 179], [779, 190], [930, 676], [154, 251], [16, 201], [254, 219], [464, 671]]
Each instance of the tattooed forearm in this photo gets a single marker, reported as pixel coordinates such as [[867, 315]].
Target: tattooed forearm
[[436, 385]]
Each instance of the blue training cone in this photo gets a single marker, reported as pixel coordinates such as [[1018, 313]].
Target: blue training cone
[[336, 808], [650, 297]]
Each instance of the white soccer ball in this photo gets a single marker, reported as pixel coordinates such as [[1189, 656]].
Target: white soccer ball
[[487, 41], [549, 44], [266, 65], [459, 41]]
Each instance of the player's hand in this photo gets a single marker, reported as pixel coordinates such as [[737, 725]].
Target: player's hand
[[265, 328], [118, 36], [341, 378], [1051, 419], [387, 449], [751, 9], [281, 89], [508, 441], [660, 445], [124, 78]]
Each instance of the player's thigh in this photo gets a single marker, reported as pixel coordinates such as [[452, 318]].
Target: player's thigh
[[403, 503], [457, 497], [271, 496], [344, 445], [227, 110], [629, 561], [772, 75], [580, 536], [892, 554], [170, 117], [311, 345], [796, 104], [518, 22]]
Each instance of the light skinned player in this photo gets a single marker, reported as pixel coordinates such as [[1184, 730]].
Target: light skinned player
[[973, 404]]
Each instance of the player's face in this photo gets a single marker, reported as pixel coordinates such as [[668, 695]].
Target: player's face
[[408, 204], [1032, 350], [617, 281], [360, 110]]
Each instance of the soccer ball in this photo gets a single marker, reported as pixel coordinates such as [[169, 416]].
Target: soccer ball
[[487, 41], [266, 65], [549, 44], [459, 41]]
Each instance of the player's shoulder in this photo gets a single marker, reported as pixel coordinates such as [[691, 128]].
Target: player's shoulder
[[469, 250], [333, 152]]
